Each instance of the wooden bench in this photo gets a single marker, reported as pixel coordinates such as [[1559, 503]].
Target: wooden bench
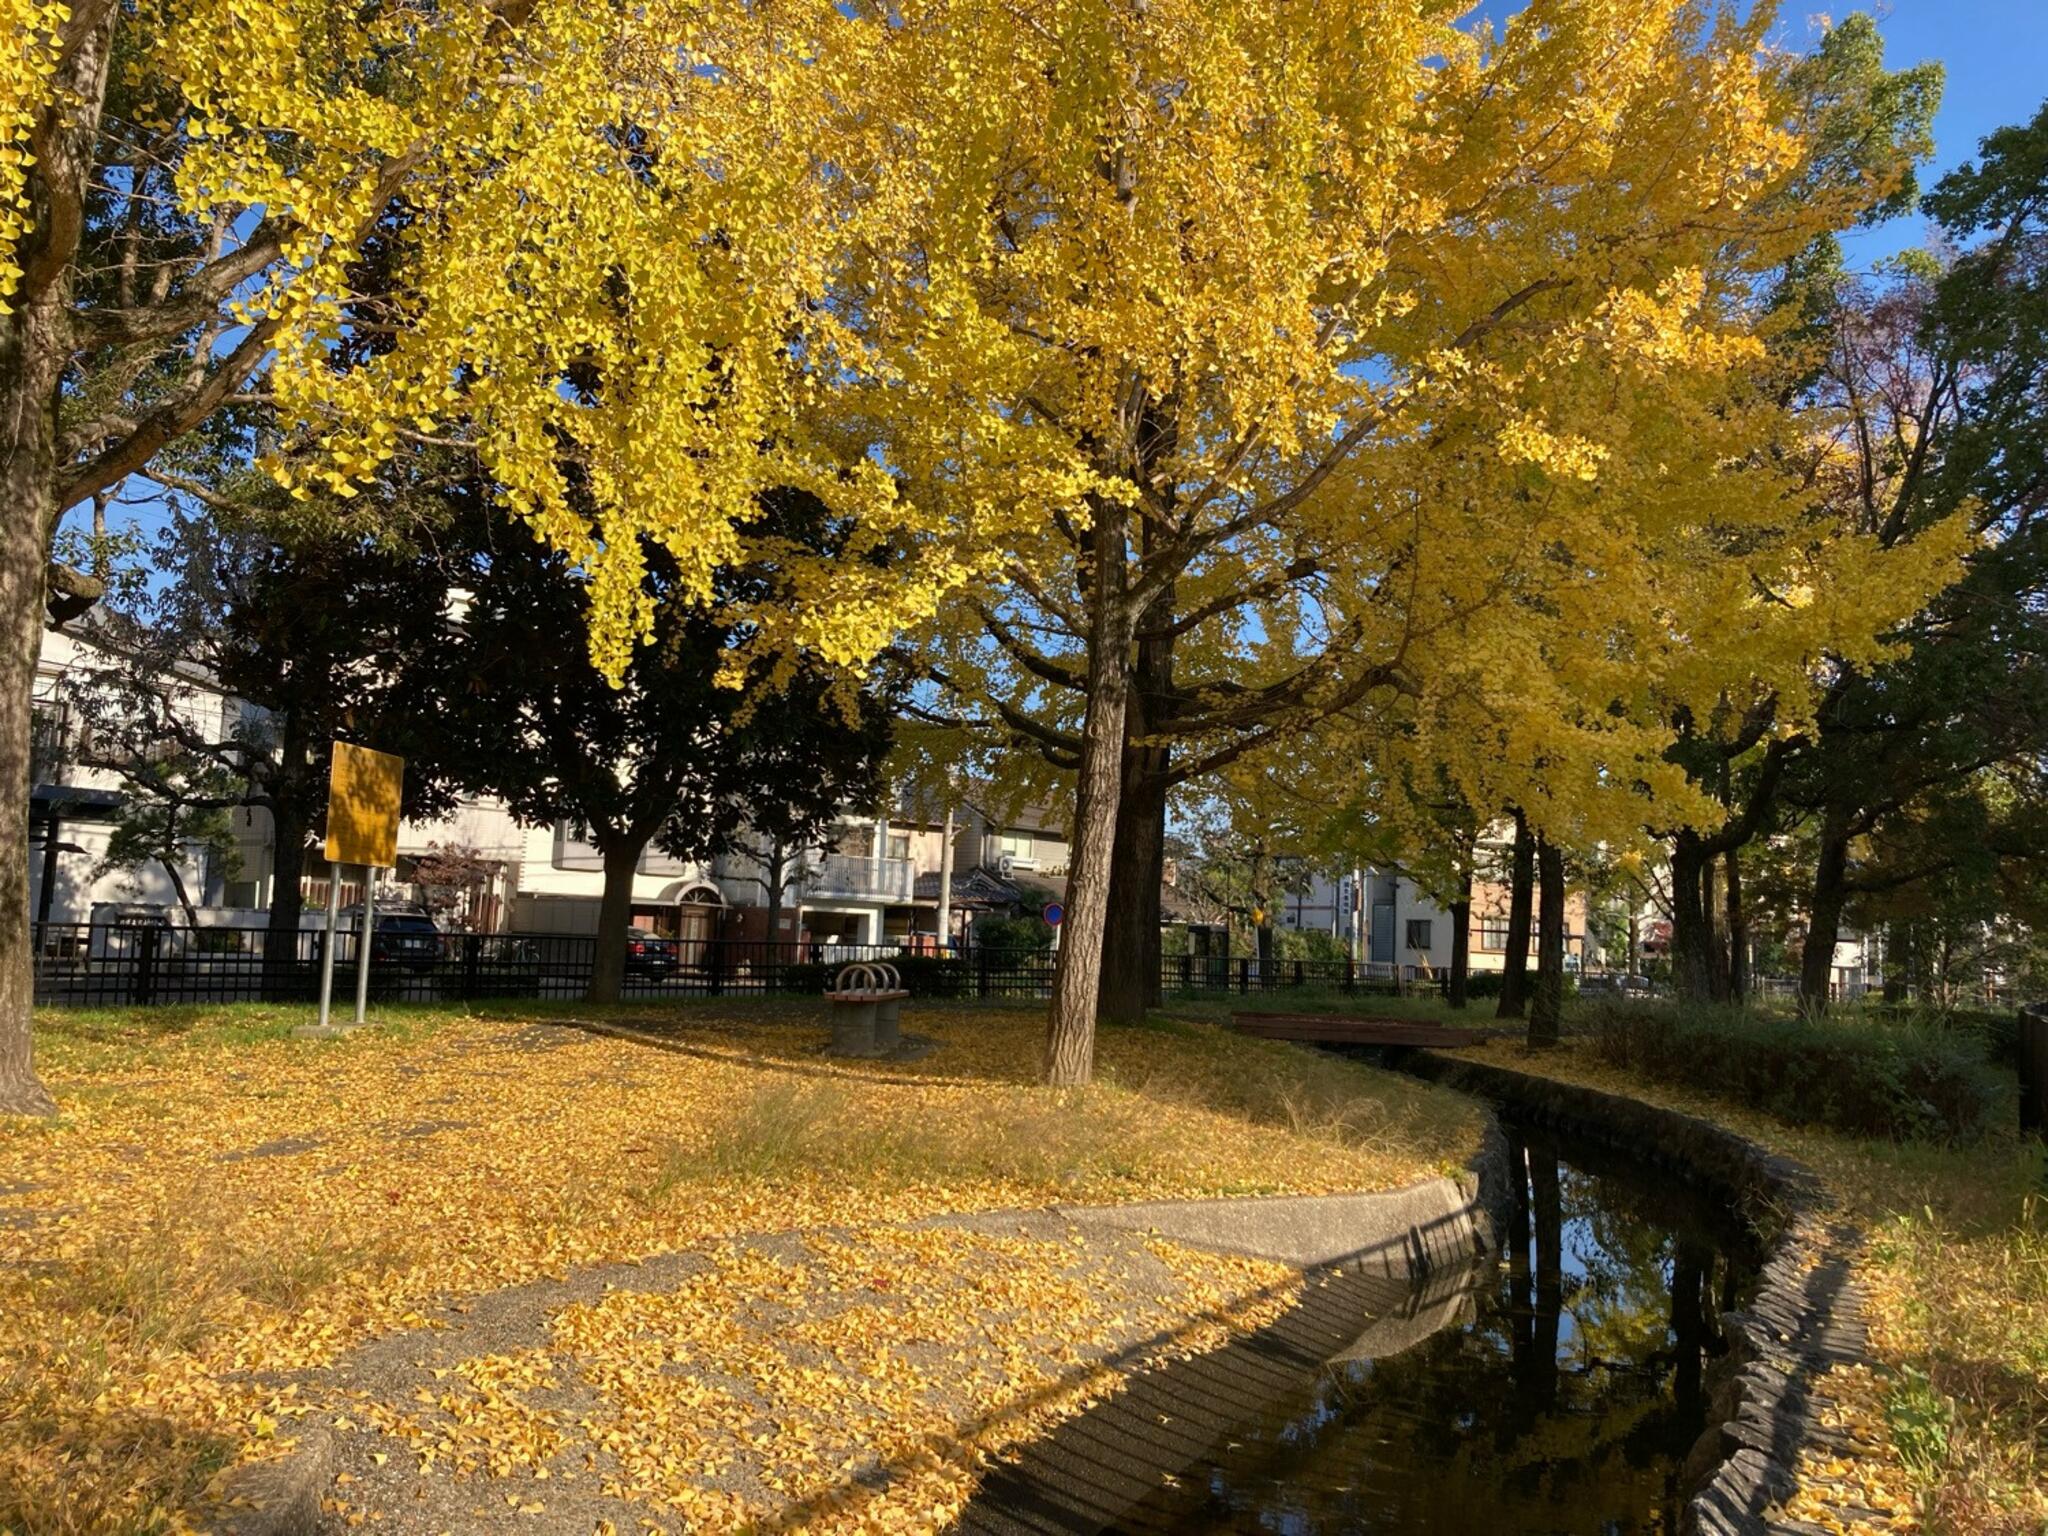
[[1344, 1029]]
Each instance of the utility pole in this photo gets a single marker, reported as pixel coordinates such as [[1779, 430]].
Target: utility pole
[[946, 884]]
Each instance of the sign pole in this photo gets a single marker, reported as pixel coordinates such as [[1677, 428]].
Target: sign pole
[[364, 943], [327, 949]]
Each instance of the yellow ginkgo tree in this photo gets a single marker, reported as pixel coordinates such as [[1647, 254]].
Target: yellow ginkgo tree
[[572, 240], [1317, 342]]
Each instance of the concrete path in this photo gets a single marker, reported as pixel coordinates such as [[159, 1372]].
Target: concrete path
[[792, 1380]]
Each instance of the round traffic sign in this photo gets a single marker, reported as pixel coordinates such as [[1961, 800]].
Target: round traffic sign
[[1054, 914]]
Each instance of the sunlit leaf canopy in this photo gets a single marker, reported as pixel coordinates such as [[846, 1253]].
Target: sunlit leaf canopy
[[1421, 351], [1462, 315]]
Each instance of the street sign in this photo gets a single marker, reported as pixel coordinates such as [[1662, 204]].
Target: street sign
[[362, 806], [1055, 914]]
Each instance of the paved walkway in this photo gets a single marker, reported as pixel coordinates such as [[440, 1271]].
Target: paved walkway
[[823, 1380]]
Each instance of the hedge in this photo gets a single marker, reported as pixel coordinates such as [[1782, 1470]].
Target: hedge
[[1866, 1077]]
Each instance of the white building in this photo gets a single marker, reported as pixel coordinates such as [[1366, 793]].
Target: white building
[[1384, 918], [872, 879]]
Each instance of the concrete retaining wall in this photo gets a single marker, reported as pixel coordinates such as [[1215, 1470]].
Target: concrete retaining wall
[[1442, 1223]]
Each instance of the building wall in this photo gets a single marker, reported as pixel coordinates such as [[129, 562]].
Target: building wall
[[548, 881], [1393, 902], [81, 886]]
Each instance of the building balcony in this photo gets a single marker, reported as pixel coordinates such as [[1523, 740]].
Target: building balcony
[[849, 877]]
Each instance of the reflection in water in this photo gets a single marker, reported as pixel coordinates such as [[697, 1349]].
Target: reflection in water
[[1565, 1402]]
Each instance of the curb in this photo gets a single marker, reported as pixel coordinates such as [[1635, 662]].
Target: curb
[[1805, 1318]]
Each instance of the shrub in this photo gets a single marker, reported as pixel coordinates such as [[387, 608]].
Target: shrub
[[1997, 1031], [935, 975], [1891, 1079], [808, 979], [1482, 984], [1016, 938], [1489, 983]]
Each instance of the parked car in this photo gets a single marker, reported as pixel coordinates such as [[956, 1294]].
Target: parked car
[[1614, 984], [651, 956], [405, 938]]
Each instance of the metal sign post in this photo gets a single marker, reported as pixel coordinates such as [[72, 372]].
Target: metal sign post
[[327, 948], [366, 941]]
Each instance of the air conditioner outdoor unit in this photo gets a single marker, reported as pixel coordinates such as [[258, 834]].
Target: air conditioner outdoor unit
[[1006, 864]]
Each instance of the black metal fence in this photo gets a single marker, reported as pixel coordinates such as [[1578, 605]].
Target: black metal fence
[[120, 965]]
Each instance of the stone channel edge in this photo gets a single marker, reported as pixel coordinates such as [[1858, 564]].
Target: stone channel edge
[[1805, 1318]]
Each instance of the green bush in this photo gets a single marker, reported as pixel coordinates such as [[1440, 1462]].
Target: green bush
[[1895, 1080], [806, 979], [1996, 1031], [935, 975], [1012, 938], [1482, 983], [1489, 983]]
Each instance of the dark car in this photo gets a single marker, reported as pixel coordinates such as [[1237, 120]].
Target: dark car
[[655, 958], [1613, 984], [409, 939]]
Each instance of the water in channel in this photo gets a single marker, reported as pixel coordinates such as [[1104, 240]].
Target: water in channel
[[1559, 1389]]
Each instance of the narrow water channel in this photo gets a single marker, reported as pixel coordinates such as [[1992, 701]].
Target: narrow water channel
[[1560, 1389]]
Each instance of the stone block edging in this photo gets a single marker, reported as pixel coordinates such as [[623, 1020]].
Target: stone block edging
[[1805, 1318]]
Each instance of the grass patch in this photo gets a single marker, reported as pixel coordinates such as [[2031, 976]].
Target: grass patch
[[797, 1130], [1316, 1097], [1964, 1302], [222, 1207], [1129, 1128], [104, 1373]]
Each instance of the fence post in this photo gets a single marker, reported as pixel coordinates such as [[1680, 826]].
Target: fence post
[[2033, 1053], [145, 967], [1299, 973], [1244, 975], [714, 966], [472, 964], [1350, 976], [1187, 971], [981, 971]]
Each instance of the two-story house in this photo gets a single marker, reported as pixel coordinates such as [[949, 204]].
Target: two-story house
[[1385, 920]]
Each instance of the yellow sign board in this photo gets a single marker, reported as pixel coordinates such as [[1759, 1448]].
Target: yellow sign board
[[362, 806]]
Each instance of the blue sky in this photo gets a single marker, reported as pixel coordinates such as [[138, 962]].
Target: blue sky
[[1997, 57]]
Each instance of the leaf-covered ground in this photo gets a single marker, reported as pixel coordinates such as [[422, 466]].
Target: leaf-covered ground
[[1955, 1432], [198, 1258]]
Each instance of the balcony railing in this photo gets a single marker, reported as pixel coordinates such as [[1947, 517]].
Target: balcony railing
[[848, 876]]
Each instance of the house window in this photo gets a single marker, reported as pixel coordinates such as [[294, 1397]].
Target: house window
[[899, 845], [1418, 932], [1493, 932], [573, 848], [1016, 844]]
